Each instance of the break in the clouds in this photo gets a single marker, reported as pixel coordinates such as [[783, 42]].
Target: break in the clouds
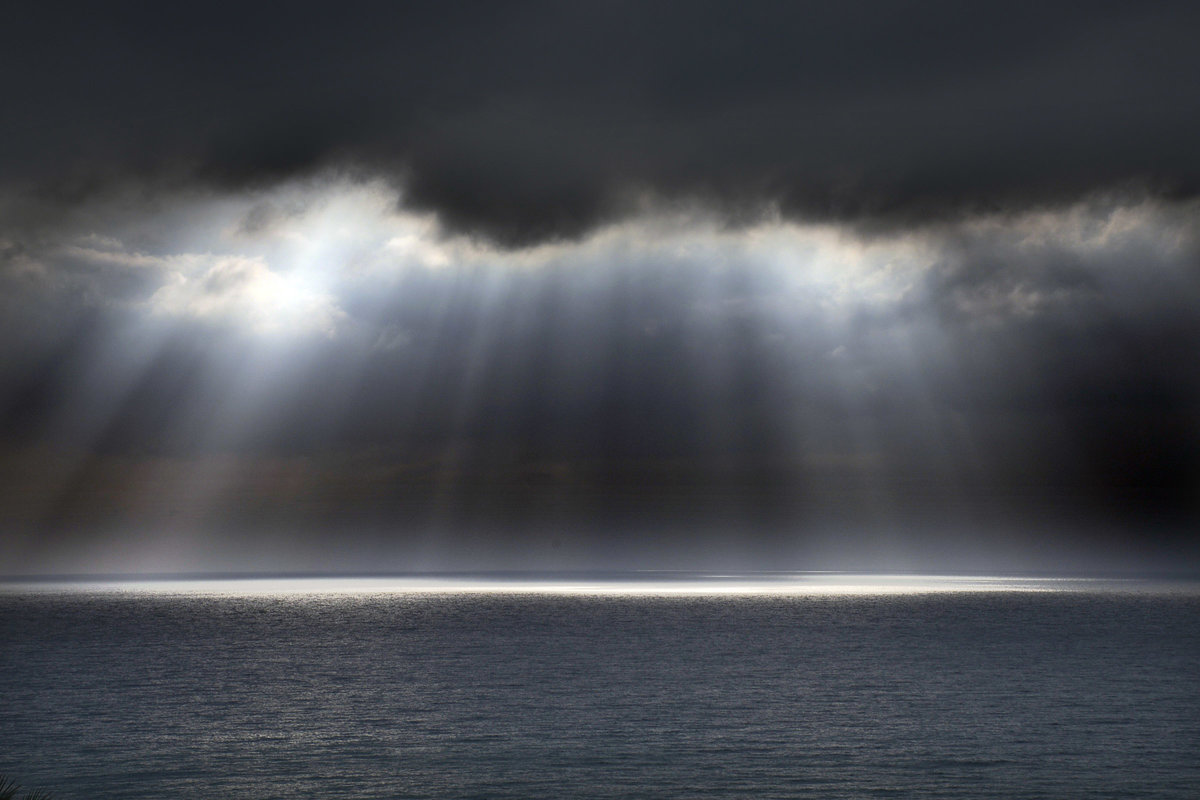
[[853, 285]]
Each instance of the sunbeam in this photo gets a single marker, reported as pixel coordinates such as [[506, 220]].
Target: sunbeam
[[771, 391], [651, 399]]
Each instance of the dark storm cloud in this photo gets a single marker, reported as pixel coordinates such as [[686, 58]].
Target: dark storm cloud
[[529, 121]]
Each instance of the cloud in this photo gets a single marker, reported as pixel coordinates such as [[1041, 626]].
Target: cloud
[[228, 289], [775, 268], [529, 122], [245, 290]]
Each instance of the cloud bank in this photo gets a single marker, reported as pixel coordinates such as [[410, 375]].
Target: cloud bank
[[526, 122]]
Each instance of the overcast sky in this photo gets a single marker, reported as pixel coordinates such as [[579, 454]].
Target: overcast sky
[[525, 285]]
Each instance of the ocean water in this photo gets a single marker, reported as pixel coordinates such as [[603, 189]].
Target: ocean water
[[721, 687]]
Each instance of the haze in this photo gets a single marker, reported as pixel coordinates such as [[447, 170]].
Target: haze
[[640, 286]]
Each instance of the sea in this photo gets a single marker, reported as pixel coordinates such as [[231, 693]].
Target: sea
[[643, 685]]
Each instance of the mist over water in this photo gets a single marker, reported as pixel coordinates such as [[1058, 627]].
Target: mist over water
[[590, 686]]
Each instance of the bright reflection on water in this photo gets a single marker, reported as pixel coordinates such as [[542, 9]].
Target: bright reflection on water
[[646, 685], [642, 583]]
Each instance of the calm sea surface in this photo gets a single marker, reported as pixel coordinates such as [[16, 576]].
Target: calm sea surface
[[992, 689]]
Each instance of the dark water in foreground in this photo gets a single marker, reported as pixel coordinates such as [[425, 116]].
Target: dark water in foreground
[[515, 695]]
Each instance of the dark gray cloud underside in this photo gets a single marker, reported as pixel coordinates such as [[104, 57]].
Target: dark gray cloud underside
[[527, 121]]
